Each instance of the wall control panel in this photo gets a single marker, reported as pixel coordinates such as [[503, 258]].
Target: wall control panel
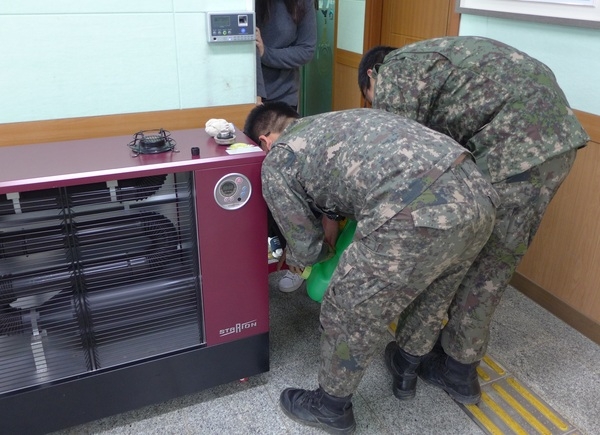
[[230, 26]]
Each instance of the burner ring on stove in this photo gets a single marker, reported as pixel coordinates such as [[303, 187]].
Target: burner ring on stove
[[152, 142]]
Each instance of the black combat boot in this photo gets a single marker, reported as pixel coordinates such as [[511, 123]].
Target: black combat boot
[[318, 409], [457, 379], [403, 368]]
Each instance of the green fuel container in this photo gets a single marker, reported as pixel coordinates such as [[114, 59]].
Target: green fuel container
[[320, 275]]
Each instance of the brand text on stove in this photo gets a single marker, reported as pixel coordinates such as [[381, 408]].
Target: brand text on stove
[[239, 327]]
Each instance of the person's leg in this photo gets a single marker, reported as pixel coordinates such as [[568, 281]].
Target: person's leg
[[376, 278], [466, 335], [414, 326], [403, 361], [355, 312], [401, 355], [289, 282], [428, 247], [464, 339]]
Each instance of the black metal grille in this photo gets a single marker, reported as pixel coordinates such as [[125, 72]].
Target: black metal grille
[[96, 276]]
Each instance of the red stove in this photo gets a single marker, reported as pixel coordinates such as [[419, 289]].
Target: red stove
[[131, 272]]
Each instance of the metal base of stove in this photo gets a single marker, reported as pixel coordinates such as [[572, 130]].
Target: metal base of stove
[[92, 397]]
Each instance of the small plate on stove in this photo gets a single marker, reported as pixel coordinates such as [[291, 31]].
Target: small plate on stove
[[225, 139]]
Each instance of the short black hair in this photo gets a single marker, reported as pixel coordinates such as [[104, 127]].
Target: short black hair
[[372, 59], [268, 117]]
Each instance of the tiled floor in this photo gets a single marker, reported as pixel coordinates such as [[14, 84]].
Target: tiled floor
[[549, 357]]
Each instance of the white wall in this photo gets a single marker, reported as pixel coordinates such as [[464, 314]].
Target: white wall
[[350, 26], [75, 58]]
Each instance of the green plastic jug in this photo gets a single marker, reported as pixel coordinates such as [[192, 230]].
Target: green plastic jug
[[320, 275]]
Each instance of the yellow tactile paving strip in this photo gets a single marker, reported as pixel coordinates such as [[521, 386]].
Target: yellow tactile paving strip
[[509, 407]]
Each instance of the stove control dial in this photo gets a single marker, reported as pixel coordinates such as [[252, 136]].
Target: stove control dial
[[232, 191]]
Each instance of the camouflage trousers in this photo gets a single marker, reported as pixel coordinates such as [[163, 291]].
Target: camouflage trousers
[[428, 247], [524, 199]]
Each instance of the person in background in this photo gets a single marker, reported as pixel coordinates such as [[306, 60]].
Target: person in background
[[508, 110], [286, 38], [423, 212]]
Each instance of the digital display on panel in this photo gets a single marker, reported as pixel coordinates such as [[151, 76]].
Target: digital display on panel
[[228, 188], [221, 20]]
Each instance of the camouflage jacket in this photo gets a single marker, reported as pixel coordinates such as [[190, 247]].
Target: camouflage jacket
[[364, 164], [501, 104]]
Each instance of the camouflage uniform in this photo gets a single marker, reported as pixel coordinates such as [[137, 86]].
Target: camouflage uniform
[[508, 110], [423, 212]]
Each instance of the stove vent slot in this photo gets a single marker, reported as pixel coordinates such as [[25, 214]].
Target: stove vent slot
[[97, 276]]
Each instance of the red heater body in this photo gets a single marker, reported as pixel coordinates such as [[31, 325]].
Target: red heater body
[[129, 274]]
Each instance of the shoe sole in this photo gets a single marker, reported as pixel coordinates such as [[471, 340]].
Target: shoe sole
[[402, 394], [463, 400], [317, 424]]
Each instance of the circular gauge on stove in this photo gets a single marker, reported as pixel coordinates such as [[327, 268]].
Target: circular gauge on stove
[[227, 188], [232, 191]]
